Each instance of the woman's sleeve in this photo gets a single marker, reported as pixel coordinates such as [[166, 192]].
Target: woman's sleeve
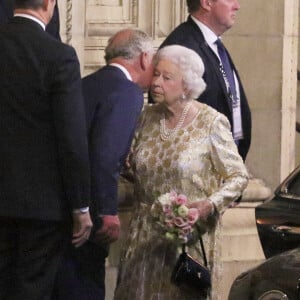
[[140, 124], [228, 163]]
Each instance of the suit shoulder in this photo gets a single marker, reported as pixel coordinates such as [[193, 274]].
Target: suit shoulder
[[182, 28], [110, 80], [183, 34], [111, 85], [60, 47]]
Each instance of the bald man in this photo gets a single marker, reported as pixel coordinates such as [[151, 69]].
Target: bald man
[[114, 99]]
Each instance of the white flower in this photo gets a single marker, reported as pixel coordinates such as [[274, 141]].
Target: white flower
[[183, 211], [164, 199], [173, 217]]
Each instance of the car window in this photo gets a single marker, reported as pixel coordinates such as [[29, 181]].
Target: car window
[[294, 186]]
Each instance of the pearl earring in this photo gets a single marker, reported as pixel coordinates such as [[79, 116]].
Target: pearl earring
[[183, 96]]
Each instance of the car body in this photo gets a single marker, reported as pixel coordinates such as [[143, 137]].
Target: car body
[[278, 225]]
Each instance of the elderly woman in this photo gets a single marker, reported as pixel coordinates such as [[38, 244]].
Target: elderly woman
[[185, 146]]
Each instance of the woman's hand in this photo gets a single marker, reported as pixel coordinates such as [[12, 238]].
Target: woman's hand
[[205, 208]]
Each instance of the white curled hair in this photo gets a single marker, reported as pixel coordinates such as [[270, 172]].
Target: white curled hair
[[190, 64]]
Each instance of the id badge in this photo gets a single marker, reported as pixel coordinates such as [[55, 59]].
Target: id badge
[[237, 123]]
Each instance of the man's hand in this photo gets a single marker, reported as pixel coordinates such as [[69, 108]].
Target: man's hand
[[82, 225], [110, 230]]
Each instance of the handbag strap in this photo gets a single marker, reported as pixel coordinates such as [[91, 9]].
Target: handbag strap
[[202, 249]]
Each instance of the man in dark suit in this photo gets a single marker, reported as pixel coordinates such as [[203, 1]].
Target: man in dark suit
[[44, 164], [114, 99], [6, 13], [207, 21]]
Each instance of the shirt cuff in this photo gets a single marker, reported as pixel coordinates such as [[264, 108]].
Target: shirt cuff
[[82, 210]]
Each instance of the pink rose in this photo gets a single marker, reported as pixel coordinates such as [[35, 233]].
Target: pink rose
[[180, 222], [167, 209], [181, 199], [172, 196]]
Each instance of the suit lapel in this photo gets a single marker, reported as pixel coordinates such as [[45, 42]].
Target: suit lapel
[[213, 60]]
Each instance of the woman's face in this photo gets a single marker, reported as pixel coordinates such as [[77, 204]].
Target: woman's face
[[167, 84]]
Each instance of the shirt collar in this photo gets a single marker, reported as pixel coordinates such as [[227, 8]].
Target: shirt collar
[[123, 69], [31, 18], [209, 36]]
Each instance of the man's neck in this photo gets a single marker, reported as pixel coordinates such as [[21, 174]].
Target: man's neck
[[37, 14], [207, 21], [128, 65], [122, 68], [31, 18]]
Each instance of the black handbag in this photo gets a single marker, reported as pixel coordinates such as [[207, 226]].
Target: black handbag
[[191, 274]]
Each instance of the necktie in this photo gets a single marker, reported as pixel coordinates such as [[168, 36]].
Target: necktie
[[226, 68], [227, 72]]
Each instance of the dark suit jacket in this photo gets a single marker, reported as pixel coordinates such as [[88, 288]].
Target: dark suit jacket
[[44, 165], [6, 13], [113, 104], [188, 34]]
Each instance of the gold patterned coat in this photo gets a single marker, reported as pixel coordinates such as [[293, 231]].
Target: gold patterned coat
[[200, 161]]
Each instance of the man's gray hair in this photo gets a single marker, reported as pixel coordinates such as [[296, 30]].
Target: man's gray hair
[[190, 64], [132, 46], [33, 4]]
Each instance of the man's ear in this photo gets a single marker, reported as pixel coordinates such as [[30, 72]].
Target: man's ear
[[48, 4], [45, 4], [144, 60], [205, 4]]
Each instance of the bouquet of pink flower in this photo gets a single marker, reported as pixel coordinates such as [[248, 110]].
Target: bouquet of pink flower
[[174, 217]]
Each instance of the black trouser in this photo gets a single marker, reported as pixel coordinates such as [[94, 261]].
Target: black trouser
[[82, 274], [30, 253]]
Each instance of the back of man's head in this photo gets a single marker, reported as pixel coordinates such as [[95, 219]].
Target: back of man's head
[[128, 44], [41, 9], [29, 4], [193, 5]]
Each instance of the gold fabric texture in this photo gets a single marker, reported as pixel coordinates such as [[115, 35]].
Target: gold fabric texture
[[200, 161]]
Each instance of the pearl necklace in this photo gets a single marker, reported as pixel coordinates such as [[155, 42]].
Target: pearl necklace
[[166, 133]]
